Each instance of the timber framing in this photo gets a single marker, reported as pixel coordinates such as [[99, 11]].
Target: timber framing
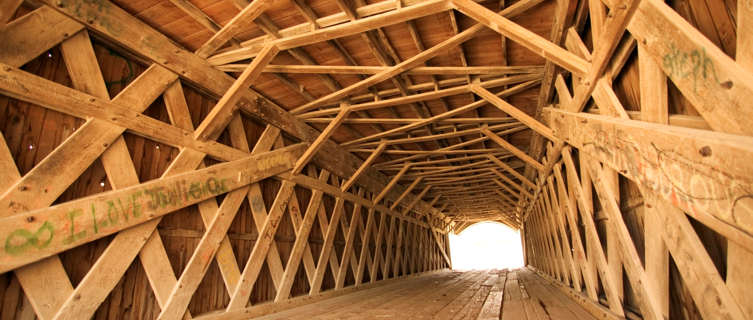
[[364, 133]]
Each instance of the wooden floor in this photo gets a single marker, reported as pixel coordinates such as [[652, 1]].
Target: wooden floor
[[517, 294]]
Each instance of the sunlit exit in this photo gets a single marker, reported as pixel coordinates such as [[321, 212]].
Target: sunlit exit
[[486, 245]]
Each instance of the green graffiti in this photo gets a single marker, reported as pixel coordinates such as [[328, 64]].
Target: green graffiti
[[694, 64], [161, 197], [111, 212], [20, 240], [73, 236]]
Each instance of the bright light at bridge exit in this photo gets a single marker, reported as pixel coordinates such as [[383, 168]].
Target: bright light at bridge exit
[[486, 245]]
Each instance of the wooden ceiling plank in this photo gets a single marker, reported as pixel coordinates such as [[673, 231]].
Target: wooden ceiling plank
[[236, 25], [199, 16]]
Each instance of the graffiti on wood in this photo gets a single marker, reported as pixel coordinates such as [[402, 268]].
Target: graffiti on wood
[[29, 236]]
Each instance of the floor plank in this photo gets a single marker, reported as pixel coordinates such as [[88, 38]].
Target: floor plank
[[486, 294]]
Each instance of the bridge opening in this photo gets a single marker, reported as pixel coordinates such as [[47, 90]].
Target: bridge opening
[[486, 245]]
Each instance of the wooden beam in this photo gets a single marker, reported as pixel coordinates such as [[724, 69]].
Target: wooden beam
[[738, 273], [709, 81], [609, 38], [643, 289], [523, 36], [114, 116], [361, 25], [223, 111], [710, 293], [391, 72], [320, 140], [405, 193], [438, 70], [511, 170], [513, 149], [426, 121], [241, 293], [240, 22], [514, 112], [426, 96], [595, 248], [151, 44], [708, 175], [48, 26], [146, 201], [367, 163], [512, 183], [654, 108]]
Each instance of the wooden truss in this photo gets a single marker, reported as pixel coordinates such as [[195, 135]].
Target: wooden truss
[[369, 227]]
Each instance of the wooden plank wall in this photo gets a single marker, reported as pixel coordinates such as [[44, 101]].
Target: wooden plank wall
[[627, 237], [32, 132]]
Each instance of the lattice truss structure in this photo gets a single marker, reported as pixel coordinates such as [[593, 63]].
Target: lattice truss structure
[[365, 167]]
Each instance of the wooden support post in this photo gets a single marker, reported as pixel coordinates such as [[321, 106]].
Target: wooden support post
[[739, 275]]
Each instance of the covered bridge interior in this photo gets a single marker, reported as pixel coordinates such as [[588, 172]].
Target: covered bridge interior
[[231, 159]]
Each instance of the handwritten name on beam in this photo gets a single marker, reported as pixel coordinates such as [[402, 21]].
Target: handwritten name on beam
[[31, 236], [714, 83], [706, 174]]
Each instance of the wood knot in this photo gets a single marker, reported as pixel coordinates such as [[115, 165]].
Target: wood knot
[[30, 219], [705, 151]]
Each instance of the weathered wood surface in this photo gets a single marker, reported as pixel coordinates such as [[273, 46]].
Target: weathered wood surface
[[450, 295], [33, 235], [704, 173]]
